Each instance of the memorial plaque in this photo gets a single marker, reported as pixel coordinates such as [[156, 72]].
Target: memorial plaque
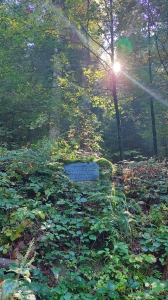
[[82, 171]]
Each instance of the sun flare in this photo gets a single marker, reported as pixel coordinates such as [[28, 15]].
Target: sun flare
[[116, 66]]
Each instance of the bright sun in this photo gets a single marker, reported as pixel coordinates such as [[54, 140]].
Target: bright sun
[[116, 67]]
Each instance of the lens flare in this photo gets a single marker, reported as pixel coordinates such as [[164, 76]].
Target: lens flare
[[124, 46], [123, 43]]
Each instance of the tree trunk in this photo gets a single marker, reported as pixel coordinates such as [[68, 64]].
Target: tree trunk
[[150, 79], [114, 83], [54, 129], [56, 98]]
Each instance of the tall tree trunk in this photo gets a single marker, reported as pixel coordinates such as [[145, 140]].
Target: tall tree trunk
[[150, 80], [85, 105], [54, 129], [114, 83]]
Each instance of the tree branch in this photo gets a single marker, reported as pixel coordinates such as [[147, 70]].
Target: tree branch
[[161, 60]]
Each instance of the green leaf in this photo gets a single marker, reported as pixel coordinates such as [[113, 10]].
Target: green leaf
[[156, 244], [150, 258], [8, 287], [55, 271], [48, 192], [41, 214], [135, 285], [91, 282], [102, 290], [58, 290], [145, 249], [92, 237], [114, 295], [121, 247], [33, 179], [81, 200], [100, 252], [111, 285], [67, 296], [15, 236], [35, 286]]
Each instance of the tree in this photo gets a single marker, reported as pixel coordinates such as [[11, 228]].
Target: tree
[[114, 84], [57, 59], [24, 97], [149, 24]]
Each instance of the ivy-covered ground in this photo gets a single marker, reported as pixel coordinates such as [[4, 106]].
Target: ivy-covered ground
[[100, 240]]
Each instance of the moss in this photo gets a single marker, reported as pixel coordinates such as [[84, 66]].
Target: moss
[[104, 163], [106, 168], [71, 161], [76, 160]]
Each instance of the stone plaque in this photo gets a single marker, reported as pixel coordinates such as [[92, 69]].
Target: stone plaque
[[82, 171]]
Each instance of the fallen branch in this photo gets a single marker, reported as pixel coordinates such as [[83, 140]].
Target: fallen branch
[[4, 263]]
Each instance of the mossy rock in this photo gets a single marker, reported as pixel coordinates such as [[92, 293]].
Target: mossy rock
[[106, 168], [104, 163]]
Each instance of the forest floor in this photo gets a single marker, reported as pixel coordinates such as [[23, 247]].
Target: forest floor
[[101, 240]]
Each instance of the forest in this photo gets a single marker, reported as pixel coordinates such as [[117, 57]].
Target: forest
[[84, 81]]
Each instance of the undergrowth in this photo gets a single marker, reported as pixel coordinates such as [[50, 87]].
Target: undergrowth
[[99, 240]]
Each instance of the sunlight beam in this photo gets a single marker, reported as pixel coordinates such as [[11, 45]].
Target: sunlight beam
[[116, 66], [142, 87]]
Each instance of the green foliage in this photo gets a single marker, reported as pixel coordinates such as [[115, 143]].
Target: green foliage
[[91, 242], [15, 284]]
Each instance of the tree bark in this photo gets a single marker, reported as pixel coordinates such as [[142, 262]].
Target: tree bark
[[151, 79], [56, 95], [114, 83], [54, 122]]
